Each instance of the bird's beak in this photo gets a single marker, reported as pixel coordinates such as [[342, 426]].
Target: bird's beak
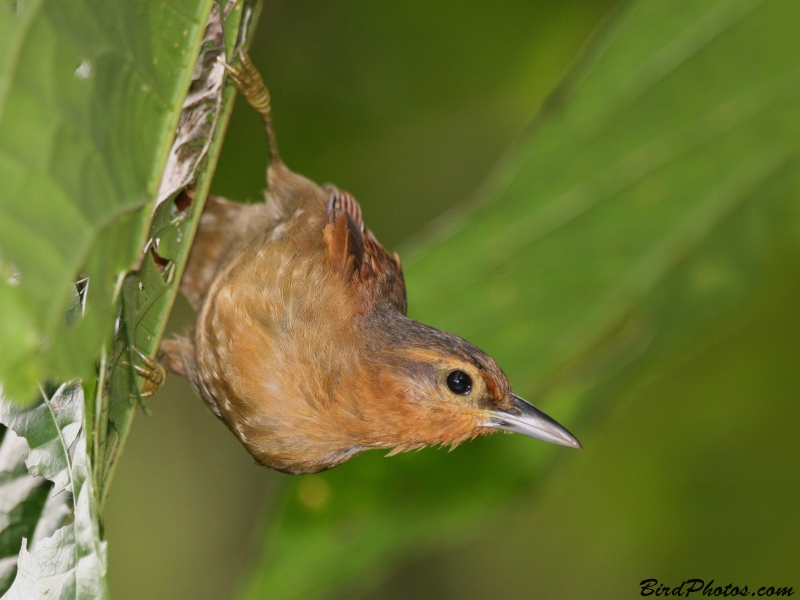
[[528, 420]]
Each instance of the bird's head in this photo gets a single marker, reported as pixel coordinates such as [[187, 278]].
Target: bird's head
[[433, 387]]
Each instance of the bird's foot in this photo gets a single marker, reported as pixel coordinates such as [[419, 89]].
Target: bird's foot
[[248, 81], [151, 371], [250, 84]]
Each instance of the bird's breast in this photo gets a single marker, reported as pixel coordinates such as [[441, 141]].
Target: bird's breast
[[278, 342]]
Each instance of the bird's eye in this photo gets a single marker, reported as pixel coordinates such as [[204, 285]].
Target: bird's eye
[[459, 383]]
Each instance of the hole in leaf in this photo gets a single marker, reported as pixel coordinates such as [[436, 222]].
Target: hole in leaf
[[184, 199]]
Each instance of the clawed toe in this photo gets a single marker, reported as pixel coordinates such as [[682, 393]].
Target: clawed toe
[[151, 371], [250, 84]]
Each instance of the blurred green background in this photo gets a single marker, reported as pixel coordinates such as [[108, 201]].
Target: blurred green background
[[689, 469]]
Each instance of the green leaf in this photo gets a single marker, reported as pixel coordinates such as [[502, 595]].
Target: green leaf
[[636, 212], [90, 94], [70, 563], [149, 293], [142, 126], [22, 497]]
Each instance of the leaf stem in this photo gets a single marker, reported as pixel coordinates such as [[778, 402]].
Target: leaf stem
[[60, 434]]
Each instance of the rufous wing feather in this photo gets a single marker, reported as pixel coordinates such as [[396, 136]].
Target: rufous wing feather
[[355, 251]]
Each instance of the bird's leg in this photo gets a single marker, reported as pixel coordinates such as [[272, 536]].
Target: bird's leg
[[249, 83], [151, 370]]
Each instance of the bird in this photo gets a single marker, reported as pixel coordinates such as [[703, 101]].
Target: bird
[[302, 345]]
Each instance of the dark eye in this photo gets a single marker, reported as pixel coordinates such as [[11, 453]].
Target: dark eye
[[459, 383]]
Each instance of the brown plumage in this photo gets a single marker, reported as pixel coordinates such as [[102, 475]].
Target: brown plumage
[[301, 344]]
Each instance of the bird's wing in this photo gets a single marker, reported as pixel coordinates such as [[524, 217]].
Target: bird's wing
[[354, 251]]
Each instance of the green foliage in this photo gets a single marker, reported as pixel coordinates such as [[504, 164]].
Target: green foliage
[[693, 470], [71, 563], [23, 497], [636, 212], [90, 94]]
